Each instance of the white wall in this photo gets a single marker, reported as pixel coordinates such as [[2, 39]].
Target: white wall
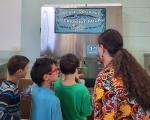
[[10, 25], [136, 26]]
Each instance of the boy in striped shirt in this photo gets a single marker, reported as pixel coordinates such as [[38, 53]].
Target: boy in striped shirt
[[9, 96]]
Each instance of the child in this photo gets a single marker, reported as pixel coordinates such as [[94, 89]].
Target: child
[[45, 105], [74, 97], [9, 95]]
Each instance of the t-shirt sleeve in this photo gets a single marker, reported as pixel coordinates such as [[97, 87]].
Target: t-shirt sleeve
[[86, 104], [56, 111]]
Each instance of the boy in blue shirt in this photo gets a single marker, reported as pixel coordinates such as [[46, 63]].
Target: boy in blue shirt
[[45, 105]]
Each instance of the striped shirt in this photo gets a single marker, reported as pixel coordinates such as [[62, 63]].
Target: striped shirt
[[9, 101]]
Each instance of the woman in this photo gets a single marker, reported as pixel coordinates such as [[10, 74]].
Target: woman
[[122, 88]]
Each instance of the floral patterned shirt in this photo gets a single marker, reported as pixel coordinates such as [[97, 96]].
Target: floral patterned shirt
[[111, 101]]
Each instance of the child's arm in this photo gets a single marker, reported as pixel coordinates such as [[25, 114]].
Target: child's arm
[[5, 99]]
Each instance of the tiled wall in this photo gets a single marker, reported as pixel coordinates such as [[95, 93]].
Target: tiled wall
[[136, 24]]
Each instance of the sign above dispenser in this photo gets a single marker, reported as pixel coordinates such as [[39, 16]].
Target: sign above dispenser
[[80, 20]]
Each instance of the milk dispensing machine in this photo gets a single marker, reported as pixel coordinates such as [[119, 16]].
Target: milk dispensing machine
[[74, 29]]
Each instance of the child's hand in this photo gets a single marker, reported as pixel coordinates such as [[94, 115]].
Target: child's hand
[[78, 76]]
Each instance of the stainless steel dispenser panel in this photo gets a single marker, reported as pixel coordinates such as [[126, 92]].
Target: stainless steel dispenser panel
[[58, 44]]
